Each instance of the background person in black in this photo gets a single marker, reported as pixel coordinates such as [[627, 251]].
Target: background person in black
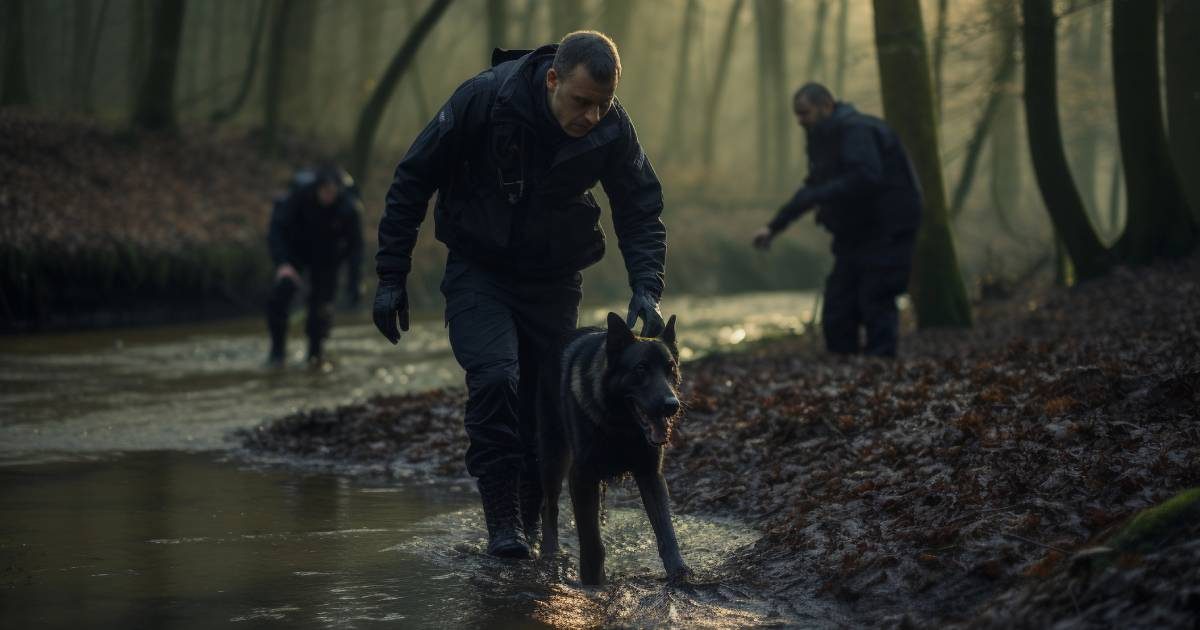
[[513, 155], [316, 227], [869, 197]]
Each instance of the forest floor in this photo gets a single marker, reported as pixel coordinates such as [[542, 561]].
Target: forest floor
[[981, 479]]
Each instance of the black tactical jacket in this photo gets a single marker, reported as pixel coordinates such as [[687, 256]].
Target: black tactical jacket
[[304, 234], [516, 200], [863, 182]]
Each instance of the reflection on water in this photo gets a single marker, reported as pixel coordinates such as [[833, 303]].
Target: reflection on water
[[172, 540], [187, 387]]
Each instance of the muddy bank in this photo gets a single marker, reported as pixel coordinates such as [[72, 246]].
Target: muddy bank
[[956, 484], [101, 227]]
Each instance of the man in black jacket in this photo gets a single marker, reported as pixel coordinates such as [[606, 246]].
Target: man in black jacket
[[867, 194], [513, 155], [316, 227]]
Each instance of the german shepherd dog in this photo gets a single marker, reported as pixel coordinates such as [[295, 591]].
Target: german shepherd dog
[[608, 401]]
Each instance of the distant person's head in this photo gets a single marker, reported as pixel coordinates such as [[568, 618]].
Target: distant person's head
[[582, 81], [812, 103], [328, 185]]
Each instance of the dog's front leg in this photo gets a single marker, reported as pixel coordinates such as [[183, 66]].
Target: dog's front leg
[[653, 488], [585, 499]]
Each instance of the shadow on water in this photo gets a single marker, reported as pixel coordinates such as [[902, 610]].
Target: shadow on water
[[175, 540]]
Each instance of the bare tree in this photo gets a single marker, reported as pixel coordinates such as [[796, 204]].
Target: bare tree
[[1181, 20], [156, 103], [719, 79], [372, 113], [1159, 222], [936, 285], [231, 110], [839, 67], [673, 144]]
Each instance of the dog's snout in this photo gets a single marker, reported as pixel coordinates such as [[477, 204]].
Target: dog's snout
[[670, 405]]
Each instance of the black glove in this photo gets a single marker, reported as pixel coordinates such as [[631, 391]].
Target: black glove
[[391, 305], [645, 304]]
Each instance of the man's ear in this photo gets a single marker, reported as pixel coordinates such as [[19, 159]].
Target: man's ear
[[619, 335], [551, 79]]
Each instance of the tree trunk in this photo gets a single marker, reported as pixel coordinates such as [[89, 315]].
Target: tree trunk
[[81, 27], [816, 52], [937, 287], [16, 80], [1158, 222], [138, 48], [93, 55], [372, 113], [272, 91], [1087, 55], [996, 94], [774, 133], [298, 81], [369, 31], [939, 52], [247, 82], [156, 105], [1181, 19], [843, 27], [1004, 140], [423, 110], [497, 27], [673, 144], [1045, 144], [718, 84]]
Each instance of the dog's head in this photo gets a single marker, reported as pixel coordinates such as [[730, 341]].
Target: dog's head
[[643, 374]]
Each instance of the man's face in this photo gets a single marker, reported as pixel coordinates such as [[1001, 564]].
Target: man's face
[[577, 102], [327, 193], [808, 114]]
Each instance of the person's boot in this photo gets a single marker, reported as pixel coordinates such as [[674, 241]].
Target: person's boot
[[275, 357], [316, 354], [530, 491], [501, 510]]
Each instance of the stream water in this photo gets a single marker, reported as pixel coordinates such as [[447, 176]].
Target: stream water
[[121, 504]]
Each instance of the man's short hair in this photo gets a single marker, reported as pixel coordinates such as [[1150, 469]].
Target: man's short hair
[[814, 94], [594, 50]]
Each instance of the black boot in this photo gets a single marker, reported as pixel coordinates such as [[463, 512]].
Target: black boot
[[502, 513], [530, 490]]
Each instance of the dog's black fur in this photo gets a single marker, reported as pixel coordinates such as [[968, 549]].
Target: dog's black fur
[[606, 405]]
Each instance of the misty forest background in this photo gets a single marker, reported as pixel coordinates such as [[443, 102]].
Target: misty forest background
[[143, 139]]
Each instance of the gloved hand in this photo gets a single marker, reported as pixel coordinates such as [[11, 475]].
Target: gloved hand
[[391, 305], [762, 238], [644, 304]]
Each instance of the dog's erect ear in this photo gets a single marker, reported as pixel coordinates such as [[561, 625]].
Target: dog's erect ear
[[619, 335], [668, 333]]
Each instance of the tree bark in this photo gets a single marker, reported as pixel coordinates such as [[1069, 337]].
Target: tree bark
[[16, 78], [156, 104], [93, 54], [936, 287], [81, 26], [1158, 222], [775, 147], [1045, 144], [272, 90], [719, 79], [372, 113], [1181, 20]]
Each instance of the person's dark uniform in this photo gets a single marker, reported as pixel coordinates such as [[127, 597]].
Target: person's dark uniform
[[515, 211], [315, 239], [868, 195]]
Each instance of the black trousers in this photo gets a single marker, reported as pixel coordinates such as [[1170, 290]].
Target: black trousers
[[500, 328], [861, 292], [322, 285]]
